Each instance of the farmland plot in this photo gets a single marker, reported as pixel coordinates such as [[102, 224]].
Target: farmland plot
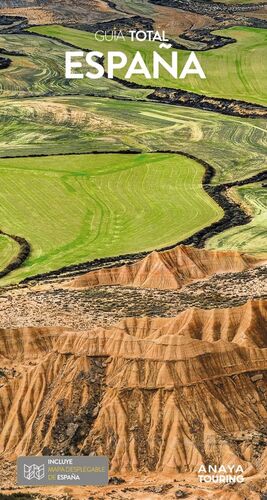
[[235, 147], [235, 71], [250, 238], [77, 208]]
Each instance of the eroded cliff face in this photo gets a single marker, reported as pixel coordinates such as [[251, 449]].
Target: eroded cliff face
[[170, 269], [153, 394], [158, 395]]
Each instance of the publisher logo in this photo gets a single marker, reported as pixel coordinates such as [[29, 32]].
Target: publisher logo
[[228, 474], [62, 470]]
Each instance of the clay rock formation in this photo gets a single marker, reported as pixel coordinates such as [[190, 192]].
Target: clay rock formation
[[169, 269], [153, 394]]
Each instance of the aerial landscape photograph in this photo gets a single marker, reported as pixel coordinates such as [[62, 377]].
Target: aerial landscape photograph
[[133, 247]]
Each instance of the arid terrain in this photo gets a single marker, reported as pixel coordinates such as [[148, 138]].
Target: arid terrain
[[155, 389]]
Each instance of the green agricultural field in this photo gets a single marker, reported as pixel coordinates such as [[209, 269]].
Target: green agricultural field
[[9, 249], [250, 238], [77, 208], [235, 147], [40, 70], [236, 71]]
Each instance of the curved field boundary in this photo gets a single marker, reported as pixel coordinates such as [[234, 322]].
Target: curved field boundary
[[235, 60], [250, 238], [233, 215], [230, 107], [101, 206], [123, 90], [21, 257], [4, 62], [235, 147]]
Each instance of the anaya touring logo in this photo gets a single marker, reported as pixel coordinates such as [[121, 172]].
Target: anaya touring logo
[[221, 474]]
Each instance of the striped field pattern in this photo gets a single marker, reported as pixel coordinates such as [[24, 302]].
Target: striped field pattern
[[235, 147], [235, 71], [9, 249], [77, 208], [250, 238], [39, 70]]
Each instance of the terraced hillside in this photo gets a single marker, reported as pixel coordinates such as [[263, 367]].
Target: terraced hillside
[[77, 208], [235, 71]]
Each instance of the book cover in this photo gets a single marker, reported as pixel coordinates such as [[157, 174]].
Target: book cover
[[133, 249]]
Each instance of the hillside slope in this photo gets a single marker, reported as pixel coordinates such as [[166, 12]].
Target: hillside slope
[[169, 269], [153, 394]]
